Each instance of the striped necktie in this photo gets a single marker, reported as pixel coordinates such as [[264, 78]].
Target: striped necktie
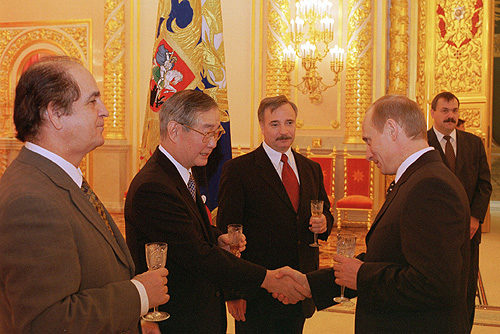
[[192, 186], [96, 203]]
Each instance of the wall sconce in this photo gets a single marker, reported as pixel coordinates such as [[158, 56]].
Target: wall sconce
[[311, 33]]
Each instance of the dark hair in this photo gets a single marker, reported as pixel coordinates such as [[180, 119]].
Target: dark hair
[[183, 108], [443, 95], [44, 82], [404, 111], [273, 103], [460, 122]]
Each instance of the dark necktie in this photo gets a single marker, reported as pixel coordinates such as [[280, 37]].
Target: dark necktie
[[449, 154], [391, 186], [290, 182], [96, 203], [192, 186]]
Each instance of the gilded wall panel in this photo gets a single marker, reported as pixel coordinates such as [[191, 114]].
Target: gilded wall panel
[[358, 88], [19, 40], [421, 48], [459, 46], [278, 16], [398, 50], [114, 68]]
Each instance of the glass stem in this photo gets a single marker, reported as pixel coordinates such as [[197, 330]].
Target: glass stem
[[156, 311], [342, 289], [315, 238]]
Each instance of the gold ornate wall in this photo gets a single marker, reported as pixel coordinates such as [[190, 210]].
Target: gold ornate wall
[[456, 56], [114, 68], [358, 87], [278, 16], [398, 50]]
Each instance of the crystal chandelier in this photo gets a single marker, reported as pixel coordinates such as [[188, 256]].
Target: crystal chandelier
[[311, 34]]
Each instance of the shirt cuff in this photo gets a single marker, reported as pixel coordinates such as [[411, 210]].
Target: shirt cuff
[[143, 295]]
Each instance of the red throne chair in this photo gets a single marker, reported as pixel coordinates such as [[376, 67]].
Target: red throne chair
[[327, 163], [357, 204]]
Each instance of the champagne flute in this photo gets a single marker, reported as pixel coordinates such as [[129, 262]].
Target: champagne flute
[[234, 232], [156, 257], [346, 245], [316, 211]]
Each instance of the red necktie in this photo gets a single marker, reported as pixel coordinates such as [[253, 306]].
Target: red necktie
[[290, 182]]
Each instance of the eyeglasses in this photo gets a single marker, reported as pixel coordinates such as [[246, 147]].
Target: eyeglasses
[[215, 135]]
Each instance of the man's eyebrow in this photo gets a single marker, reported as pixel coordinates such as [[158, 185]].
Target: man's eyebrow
[[93, 95]]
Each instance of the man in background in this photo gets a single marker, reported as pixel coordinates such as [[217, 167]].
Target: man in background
[[64, 266], [164, 204], [464, 154], [277, 223], [413, 276]]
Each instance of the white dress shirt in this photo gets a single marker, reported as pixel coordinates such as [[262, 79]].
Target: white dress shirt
[[411, 159], [76, 175], [275, 158], [442, 141]]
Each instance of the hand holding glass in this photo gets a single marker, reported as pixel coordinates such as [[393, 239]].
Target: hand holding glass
[[156, 257], [316, 211], [346, 245], [234, 232]]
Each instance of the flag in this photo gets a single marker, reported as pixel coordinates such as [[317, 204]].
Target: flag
[[188, 53]]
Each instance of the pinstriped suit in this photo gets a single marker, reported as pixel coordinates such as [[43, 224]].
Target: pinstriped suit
[[60, 268]]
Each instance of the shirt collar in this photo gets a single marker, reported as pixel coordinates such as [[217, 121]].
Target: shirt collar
[[440, 136], [411, 159], [182, 170], [275, 156], [73, 172]]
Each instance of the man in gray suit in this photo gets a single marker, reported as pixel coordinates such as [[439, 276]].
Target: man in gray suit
[[64, 266]]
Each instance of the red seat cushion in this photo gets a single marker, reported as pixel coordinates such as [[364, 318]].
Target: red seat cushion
[[355, 202]]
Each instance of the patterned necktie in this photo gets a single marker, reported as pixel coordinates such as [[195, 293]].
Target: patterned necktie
[[391, 186], [290, 182], [96, 203], [192, 186], [449, 154]]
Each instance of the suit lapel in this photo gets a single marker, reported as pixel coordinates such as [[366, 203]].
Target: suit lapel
[[194, 209], [268, 173], [60, 178], [461, 155], [304, 196], [433, 141]]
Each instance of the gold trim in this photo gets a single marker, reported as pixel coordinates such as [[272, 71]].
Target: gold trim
[[114, 68], [398, 52]]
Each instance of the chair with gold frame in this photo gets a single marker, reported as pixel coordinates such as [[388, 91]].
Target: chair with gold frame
[[357, 202], [327, 163]]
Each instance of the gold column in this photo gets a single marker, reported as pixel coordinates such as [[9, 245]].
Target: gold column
[[421, 47], [114, 68], [358, 88], [277, 80], [398, 51]]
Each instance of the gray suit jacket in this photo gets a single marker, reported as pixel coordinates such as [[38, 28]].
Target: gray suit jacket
[[61, 270]]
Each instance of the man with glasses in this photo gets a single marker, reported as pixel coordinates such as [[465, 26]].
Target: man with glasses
[[164, 204]]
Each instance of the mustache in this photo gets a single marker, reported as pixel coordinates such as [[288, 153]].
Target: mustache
[[450, 120], [284, 137]]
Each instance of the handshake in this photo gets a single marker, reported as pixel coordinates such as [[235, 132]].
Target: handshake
[[287, 285]]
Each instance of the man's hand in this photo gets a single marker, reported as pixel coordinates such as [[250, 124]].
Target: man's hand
[[474, 225], [346, 271], [237, 308], [281, 282], [155, 283], [224, 242], [317, 224], [149, 327]]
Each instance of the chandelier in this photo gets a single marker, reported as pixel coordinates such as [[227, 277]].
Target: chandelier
[[311, 34]]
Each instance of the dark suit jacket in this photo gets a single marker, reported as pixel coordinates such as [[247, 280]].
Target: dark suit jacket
[[472, 170], [61, 270], [252, 194], [159, 207], [415, 269]]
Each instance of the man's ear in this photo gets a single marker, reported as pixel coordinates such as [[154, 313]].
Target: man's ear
[[173, 129], [392, 128], [54, 115]]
